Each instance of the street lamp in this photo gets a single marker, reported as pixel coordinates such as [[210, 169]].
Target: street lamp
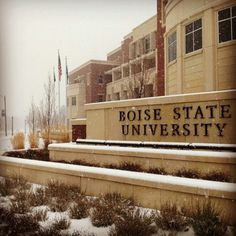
[[4, 112]]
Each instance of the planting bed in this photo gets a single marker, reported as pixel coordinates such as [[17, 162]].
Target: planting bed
[[43, 155], [58, 209]]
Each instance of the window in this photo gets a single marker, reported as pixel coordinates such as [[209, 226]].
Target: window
[[147, 44], [227, 24], [100, 98], [100, 79], [73, 101], [172, 47], [193, 36]]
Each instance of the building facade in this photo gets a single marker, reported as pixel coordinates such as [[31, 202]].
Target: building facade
[[135, 75], [87, 84], [200, 45]]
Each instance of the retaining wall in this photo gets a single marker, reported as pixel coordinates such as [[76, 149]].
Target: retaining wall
[[148, 190]]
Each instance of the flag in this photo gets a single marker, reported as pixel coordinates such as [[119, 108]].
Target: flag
[[54, 76], [59, 67], [67, 74]]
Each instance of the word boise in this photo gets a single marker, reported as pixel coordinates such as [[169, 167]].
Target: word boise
[[197, 121]]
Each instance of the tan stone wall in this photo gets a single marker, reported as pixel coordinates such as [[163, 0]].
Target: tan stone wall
[[226, 69], [211, 68], [193, 79], [146, 192], [145, 28], [103, 119], [171, 83], [171, 161], [76, 90]]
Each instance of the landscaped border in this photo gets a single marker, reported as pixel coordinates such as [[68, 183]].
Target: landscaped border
[[148, 190]]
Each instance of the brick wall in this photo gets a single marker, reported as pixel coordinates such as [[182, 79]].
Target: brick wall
[[160, 80]]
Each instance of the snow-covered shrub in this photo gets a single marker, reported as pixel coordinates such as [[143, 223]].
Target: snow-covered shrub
[[158, 171], [58, 204], [38, 197], [33, 140], [40, 214], [18, 141], [21, 224], [107, 207], [61, 223], [206, 220], [21, 202], [133, 222], [217, 176], [171, 218], [79, 209], [62, 191]]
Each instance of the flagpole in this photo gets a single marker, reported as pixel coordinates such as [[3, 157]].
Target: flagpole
[[59, 80], [54, 80]]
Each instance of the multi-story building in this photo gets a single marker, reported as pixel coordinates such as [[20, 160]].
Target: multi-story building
[[200, 45], [135, 76], [87, 84]]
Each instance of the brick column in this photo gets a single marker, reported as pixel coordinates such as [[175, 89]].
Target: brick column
[[160, 64]]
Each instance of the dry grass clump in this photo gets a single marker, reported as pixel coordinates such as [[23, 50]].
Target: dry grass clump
[[40, 214], [107, 207], [18, 141], [171, 218], [61, 190], [133, 223], [217, 176], [130, 166], [158, 171], [79, 209], [33, 140], [21, 202], [61, 223], [38, 197], [17, 224], [206, 220], [188, 173]]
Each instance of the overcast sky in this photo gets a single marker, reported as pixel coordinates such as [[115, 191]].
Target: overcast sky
[[33, 30]]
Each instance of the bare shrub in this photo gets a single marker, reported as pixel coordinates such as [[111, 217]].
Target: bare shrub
[[61, 223], [217, 176], [79, 209], [20, 224], [38, 197], [133, 223], [206, 220], [21, 204], [158, 171], [58, 204], [33, 140], [40, 214], [170, 218], [106, 208], [130, 166], [62, 191], [18, 141], [194, 174]]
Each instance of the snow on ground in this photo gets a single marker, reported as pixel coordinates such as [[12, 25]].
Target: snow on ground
[[175, 152], [5, 144]]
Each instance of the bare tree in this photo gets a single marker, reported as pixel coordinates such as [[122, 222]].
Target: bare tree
[[32, 117], [46, 112], [139, 78]]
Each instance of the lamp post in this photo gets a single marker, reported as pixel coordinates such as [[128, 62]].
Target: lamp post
[[4, 113]]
